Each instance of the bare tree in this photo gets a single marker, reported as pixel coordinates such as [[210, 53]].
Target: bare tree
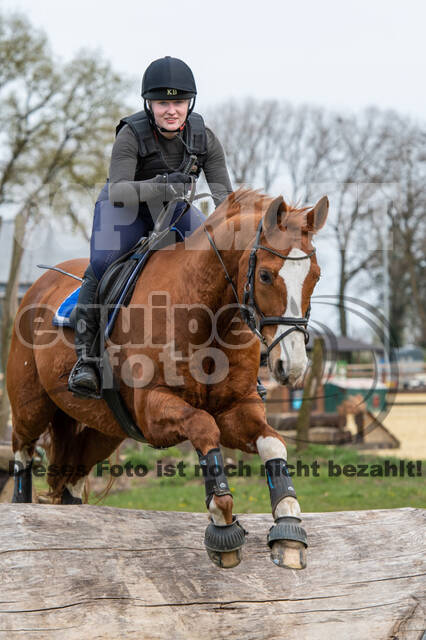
[[58, 123], [333, 153], [252, 133], [403, 162], [409, 224], [311, 149]]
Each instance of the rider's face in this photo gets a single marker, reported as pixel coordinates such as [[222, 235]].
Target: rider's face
[[170, 114]]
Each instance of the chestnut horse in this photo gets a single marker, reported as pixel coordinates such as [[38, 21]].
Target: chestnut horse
[[189, 370]]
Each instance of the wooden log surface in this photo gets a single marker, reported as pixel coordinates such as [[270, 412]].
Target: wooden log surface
[[88, 572]]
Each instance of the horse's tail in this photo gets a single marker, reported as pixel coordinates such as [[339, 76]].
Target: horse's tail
[[60, 447], [105, 491], [64, 446]]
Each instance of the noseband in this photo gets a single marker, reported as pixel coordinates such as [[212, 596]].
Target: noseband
[[249, 309]]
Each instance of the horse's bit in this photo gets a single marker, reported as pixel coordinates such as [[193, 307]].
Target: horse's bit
[[249, 309]]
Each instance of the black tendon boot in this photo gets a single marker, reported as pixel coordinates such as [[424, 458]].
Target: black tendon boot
[[84, 376]]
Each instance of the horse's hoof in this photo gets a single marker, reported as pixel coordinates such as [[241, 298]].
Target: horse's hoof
[[289, 554], [224, 543], [68, 498], [225, 559], [288, 542]]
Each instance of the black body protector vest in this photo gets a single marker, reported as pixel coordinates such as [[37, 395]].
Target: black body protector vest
[[151, 161]]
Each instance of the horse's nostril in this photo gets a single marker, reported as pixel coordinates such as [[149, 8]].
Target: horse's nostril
[[280, 372], [279, 369]]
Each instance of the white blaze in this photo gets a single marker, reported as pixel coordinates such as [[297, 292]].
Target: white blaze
[[293, 351]]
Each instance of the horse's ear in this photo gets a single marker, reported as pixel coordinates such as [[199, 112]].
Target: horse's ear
[[316, 217], [275, 209]]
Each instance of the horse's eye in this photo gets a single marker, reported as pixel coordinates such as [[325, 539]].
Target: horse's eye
[[265, 277]]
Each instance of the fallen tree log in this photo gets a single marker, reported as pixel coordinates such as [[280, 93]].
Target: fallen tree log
[[103, 573]]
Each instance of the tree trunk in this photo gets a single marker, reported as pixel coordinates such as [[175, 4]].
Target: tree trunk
[[309, 392], [416, 301], [98, 572], [342, 287], [9, 309]]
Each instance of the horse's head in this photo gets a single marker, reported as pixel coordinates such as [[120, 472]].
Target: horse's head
[[284, 276]]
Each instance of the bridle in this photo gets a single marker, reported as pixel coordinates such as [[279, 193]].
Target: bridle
[[249, 309], [250, 305]]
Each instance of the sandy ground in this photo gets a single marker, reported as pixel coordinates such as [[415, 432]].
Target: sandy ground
[[408, 424]]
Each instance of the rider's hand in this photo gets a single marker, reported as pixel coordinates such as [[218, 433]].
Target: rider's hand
[[173, 185], [177, 184], [178, 178]]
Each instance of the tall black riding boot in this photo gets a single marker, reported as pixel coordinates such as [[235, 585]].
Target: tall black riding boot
[[84, 376]]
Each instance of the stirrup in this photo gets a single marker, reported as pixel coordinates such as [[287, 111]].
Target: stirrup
[[80, 391]]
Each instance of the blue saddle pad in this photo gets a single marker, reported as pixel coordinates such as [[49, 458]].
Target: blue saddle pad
[[63, 313]]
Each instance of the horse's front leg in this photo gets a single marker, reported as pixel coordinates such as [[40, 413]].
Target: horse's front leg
[[170, 420], [245, 427], [287, 539]]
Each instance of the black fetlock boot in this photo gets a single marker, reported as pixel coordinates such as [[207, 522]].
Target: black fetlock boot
[[84, 377]]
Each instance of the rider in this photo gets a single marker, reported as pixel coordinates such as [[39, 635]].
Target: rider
[[150, 163]]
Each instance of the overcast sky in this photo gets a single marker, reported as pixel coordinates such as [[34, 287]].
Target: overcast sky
[[342, 54]]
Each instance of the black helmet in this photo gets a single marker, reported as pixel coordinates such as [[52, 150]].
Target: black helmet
[[168, 79]]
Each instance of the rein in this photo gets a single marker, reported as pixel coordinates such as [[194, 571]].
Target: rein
[[249, 309]]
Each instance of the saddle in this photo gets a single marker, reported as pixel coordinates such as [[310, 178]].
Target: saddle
[[113, 283]]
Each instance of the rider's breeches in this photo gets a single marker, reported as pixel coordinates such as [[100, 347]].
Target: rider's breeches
[[117, 229]]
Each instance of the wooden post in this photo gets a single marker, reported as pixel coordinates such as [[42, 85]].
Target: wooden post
[[311, 385]]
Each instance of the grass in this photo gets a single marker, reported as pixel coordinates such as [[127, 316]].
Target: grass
[[321, 493]]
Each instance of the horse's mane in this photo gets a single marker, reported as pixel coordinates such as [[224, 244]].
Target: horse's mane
[[251, 202]]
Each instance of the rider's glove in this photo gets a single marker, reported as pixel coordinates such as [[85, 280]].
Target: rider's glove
[[177, 182], [178, 178]]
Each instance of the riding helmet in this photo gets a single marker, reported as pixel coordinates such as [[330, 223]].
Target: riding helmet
[[168, 79]]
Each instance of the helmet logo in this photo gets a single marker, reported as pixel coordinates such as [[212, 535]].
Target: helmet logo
[[171, 92]]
